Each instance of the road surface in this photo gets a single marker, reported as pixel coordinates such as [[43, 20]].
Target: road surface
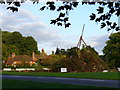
[[75, 81]]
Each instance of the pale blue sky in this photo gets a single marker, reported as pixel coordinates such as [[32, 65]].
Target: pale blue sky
[[36, 23]]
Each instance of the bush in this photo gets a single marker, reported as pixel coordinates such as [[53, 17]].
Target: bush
[[39, 70], [113, 70]]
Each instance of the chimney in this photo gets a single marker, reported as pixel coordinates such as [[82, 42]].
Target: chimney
[[13, 54], [33, 55], [43, 51]]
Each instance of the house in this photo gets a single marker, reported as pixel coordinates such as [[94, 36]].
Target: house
[[21, 60], [41, 56]]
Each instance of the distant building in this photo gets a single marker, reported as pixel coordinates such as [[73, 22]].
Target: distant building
[[15, 60]]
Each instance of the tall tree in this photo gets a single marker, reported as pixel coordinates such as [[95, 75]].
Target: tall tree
[[6, 36], [11, 49], [15, 42], [29, 45], [4, 50], [112, 50]]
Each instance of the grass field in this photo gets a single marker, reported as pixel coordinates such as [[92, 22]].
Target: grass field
[[92, 75], [12, 83]]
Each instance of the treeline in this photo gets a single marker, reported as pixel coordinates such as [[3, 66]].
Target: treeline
[[15, 42], [74, 59]]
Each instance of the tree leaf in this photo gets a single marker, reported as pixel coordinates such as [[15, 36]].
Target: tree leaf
[[117, 12], [117, 5], [108, 23], [65, 19], [75, 4], [59, 24], [60, 8], [52, 7], [50, 3], [117, 28], [100, 10], [114, 25], [68, 7], [108, 16], [16, 3], [112, 10], [97, 20], [84, 2], [13, 9], [103, 25], [58, 19], [91, 3], [42, 8], [67, 25], [93, 16], [62, 15], [53, 22], [110, 4]]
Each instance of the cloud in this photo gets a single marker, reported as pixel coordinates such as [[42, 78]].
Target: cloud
[[98, 42], [48, 38], [29, 25]]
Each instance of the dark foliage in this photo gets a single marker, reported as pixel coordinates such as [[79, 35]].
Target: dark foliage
[[15, 42], [111, 50], [76, 60]]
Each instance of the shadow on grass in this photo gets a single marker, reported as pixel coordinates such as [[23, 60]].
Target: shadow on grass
[[11, 84]]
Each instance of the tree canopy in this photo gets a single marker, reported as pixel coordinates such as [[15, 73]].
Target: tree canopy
[[15, 42], [78, 60], [68, 5], [112, 50]]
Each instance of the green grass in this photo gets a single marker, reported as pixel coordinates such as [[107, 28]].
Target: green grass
[[12, 83], [92, 75]]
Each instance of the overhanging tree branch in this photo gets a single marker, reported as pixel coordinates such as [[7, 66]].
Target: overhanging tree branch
[[69, 5]]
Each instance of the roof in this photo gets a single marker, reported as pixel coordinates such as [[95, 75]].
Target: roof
[[19, 58], [22, 58], [37, 56], [9, 62]]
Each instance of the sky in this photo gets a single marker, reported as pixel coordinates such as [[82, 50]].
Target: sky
[[30, 21]]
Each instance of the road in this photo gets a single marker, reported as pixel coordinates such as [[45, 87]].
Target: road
[[75, 81]]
